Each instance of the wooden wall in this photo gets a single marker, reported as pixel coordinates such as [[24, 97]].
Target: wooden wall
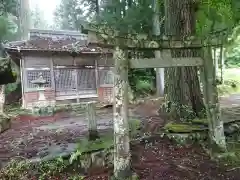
[[32, 65]]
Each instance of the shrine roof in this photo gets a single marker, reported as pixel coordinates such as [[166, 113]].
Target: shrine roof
[[55, 41]]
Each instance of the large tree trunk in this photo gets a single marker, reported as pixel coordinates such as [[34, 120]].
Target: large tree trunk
[[157, 32], [24, 19], [2, 87], [122, 156], [183, 94]]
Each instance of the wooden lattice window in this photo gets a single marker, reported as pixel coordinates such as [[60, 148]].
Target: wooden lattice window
[[65, 79], [86, 79], [34, 74]]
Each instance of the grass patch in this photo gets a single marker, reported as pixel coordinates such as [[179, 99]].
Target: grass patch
[[14, 110], [135, 127], [228, 87], [232, 157], [231, 82]]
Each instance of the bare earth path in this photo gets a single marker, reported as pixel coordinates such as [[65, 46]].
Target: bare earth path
[[230, 101], [164, 161], [36, 138], [45, 137]]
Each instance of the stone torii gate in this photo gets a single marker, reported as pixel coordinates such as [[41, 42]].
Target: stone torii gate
[[106, 36]]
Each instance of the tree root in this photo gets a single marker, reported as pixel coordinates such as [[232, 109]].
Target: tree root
[[187, 168], [233, 169]]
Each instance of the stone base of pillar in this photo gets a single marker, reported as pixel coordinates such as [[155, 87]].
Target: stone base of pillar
[[43, 109]]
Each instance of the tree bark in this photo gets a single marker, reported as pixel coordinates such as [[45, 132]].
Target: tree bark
[[2, 87], [156, 31], [24, 19], [182, 89], [222, 57], [215, 58], [122, 156], [2, 98], [215, 123], [97, 7], [129, 3]]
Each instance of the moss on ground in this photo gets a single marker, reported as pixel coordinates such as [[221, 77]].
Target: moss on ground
[[229, 158], [183, 128], [14, 110], [200, 121], [104, 142], [232, 157], [135, 127]]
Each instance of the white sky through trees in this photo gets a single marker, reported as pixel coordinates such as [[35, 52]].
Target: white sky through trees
[[47, 7]]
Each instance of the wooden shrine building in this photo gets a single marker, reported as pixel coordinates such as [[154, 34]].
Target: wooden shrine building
[[75, 69]]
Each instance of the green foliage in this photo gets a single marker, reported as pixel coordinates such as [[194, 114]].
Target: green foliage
[[178, 111], [14, 170], [231, 82], [136, 16], [214, 15], [74, 156], [8, 18], [122, 14], [8, 26], [51, 168], [229, 87], [233, 51], [230, 158], [236, 11], [14, 110], [37, 20], [142, 82], [144, 86], [92, 9], [200, 121], [9, 6], [3, 25], [135, 127], [104, 142], [10, 88], [69, 14], [76, 177], [17, 169]]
